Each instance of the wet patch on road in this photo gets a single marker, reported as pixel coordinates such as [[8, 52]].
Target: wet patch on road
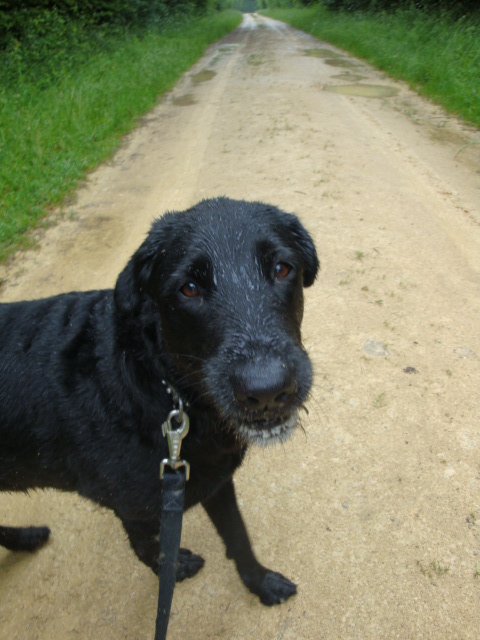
[[255, 59], [321, 53], [349, 77], [363, 90], [203, 76], [185, 101], [341, 62]]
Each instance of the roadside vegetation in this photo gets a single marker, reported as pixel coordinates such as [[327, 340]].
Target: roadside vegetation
[[75, 76], [434, 45]]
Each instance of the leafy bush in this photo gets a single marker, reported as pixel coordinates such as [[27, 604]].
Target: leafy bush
[[52, 35]]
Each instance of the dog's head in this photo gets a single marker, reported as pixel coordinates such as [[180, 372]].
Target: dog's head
[[226, 278]]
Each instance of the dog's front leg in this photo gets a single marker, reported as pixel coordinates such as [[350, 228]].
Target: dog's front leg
[[144, 538], [269, 586]]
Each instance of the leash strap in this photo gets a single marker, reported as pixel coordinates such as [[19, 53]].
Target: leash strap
[[173, 491]]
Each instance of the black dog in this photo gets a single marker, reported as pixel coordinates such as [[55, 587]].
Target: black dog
[[212, 303]]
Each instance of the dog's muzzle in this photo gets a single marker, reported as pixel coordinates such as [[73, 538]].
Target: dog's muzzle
[[266, 432]]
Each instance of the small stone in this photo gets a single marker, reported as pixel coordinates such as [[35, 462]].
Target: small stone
[[465, 352], [375, 348]]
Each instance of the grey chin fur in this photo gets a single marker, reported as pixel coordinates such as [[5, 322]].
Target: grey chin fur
[[266, 437]]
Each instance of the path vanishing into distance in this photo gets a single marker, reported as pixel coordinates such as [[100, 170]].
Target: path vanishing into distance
[[375, 509]]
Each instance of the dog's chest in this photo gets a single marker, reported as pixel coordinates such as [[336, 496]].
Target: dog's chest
[[209, 470]]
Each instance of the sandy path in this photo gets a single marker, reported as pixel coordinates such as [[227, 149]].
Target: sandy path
[[375, 512]]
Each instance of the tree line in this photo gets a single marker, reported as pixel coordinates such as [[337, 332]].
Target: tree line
[[103, 11], [456, 8], [22, 20]]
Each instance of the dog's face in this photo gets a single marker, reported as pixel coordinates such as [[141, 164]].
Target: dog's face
[[227, 278]]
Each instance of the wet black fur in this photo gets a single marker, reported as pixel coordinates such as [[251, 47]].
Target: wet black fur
[[81, 393]]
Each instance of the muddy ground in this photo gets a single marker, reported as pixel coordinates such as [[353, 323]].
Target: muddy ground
[[375, 510]]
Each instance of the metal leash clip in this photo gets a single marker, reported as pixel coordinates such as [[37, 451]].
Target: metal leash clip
[[174, 438]]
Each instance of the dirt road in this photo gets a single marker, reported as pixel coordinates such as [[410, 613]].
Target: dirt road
[[375, 510]]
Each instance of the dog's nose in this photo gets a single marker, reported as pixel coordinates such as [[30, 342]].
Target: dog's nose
[[263, 386]]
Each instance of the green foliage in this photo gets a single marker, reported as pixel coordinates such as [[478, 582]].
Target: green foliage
[[59, 119], [113, 12], [456, 8], [40, 33], [283, 4], [247, 5], [437, 54], [22, 24]]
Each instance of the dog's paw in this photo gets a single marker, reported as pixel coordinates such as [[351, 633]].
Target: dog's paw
[[188, 564], [275, 589]]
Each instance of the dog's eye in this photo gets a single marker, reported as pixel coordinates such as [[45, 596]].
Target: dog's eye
[[281, 270], [190, 290]]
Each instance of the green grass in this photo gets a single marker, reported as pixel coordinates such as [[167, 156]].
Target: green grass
[[55, 128], [437, 56]]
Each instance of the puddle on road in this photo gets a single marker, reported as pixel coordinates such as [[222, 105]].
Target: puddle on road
[[330, 57], [203, 76], [228, 48], [349, 77], [363, 90], [341, 62], [185, 101], [321, 53], [440, 134], [255, 59], [223, 51]]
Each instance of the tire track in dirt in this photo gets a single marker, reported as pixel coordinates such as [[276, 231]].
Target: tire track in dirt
[[374, 510]]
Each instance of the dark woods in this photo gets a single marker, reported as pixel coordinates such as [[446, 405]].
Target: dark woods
[[18, 20], [455, 8]]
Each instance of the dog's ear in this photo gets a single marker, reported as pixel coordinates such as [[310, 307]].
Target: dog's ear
[[133, 282], [304, 246]]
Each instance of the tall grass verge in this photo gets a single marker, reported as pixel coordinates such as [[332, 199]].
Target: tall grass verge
[[52, 131], [437, 55]]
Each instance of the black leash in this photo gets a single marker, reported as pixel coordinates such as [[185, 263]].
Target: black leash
[[173, 492]]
